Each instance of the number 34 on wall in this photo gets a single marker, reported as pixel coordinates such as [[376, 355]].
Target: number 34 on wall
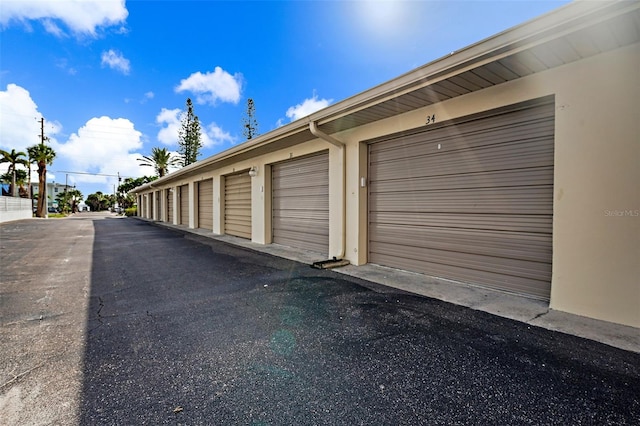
[[431, 119]]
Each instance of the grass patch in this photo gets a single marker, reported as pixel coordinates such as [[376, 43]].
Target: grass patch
[[56, 215]]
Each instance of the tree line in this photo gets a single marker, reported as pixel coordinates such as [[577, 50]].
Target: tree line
[[189, 145]]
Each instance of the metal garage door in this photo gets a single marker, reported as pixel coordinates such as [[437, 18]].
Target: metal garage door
[[158, 205], [170, 205], [183, 193], [471, 201], [237, 205], [300, 200], [205, 204]]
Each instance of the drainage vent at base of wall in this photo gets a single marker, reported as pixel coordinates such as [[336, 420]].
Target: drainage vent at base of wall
[[331, 263]]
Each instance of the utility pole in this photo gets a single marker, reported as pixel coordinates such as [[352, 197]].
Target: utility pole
[[42, 137], [42, 195], [117, 194], [66, 184]]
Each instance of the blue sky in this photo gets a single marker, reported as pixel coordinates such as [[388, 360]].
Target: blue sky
[[111, 78]]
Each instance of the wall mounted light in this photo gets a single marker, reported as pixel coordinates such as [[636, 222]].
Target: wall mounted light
[[253, 171]]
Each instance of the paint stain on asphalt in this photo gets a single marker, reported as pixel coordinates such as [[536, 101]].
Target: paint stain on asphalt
[[283, 342]]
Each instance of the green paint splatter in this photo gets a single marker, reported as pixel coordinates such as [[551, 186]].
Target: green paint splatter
[[291, 316], [283, 342]]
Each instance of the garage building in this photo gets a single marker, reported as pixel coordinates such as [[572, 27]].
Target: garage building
[[512, 164]]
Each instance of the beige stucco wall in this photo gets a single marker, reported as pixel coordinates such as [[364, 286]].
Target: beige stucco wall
[[596, 225], [597, 190], [596, 241]]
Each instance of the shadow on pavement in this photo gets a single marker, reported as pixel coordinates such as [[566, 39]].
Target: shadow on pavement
[[201, 332]]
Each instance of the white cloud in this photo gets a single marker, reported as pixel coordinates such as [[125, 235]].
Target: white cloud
[[80, 16], [307, 107], [103, 145], [213, 86], [116, 61], [146, 97], [20, 120], [171, 121], [63, 64], [214, 135], [52, 28]]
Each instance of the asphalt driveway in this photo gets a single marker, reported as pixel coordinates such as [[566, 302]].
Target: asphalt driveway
[[155, 327]]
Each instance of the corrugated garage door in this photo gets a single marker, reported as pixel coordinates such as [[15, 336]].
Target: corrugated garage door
[[170, 205], [184, 204], [150, 212], [158, 205], [205, 204], [300, 201], [237, 205], [470, 201]]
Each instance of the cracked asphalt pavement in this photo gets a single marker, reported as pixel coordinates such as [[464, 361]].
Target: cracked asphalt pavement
[[114, 321]]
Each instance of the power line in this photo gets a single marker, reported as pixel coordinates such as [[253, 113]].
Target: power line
[[83, 173], [92, 174]]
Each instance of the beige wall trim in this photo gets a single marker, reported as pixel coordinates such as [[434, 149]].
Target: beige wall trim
[[313, 127]]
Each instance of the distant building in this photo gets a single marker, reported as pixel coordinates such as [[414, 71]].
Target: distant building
[[53, 189]]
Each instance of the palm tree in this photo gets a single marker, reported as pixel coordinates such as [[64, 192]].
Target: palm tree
[[160, 159], [42, 155], [94, 200], [99, 201], [69, 200], [13, 158], [74, 197]]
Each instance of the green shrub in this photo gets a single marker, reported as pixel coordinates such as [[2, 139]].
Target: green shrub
[[131, 211]]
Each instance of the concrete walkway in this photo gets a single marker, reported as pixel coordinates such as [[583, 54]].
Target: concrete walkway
[[519, 308]]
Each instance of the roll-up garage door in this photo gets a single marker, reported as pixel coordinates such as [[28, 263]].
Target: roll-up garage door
[[170, 205], [300, 203], [150, 212], [184, 204], [205, 204], [158, 205], [237, 205], [470, 201]]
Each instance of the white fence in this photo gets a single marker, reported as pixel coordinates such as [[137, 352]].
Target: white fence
[[13, 208]]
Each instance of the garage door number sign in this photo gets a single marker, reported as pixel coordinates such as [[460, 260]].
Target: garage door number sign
[[431, 119]]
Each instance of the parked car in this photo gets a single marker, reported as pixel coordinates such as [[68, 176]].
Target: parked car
[[53, 210]]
